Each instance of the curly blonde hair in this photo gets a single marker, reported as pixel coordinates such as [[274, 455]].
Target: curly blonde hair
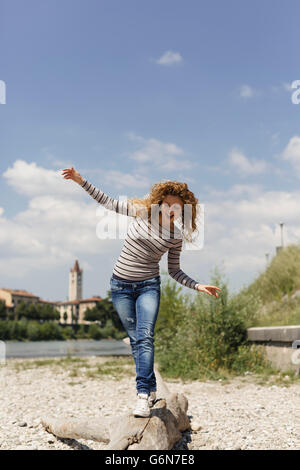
[[156, 196]]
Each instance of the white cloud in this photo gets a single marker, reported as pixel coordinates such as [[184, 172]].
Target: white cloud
[[58, 224], [170, 58], [244, 165], [123, 180], [240, 229], [174, 164], [30, 179], [292, 154], [162, 155], [246, 91], [235, 190], [241, 225]]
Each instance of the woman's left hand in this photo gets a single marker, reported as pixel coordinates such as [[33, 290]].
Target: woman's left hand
[[211, 290]]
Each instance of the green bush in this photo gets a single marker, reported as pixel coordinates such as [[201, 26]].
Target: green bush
[[95, 332], [208, 337], [34, 331], [31, 330], [81, 334], [12, 330], [50, 331], [109, 330], [3, 312], [249, 358], [17, 330], [119, 335], [68, 333], [3, 330]]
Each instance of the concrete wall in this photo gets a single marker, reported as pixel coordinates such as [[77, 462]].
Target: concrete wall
[[275, 334], [277, 342]]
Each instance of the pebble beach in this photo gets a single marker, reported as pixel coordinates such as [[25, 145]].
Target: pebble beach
[[238, 414]]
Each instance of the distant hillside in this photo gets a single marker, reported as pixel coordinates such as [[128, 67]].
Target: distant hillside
[[278, 288]]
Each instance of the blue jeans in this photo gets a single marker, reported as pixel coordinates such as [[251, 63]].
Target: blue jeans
[[137, 304]]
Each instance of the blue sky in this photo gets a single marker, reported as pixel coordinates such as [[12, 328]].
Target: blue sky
[[133, 92]]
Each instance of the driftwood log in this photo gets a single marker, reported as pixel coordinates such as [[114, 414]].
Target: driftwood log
[[160, 431]]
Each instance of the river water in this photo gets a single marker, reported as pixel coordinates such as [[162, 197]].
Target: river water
[[81, 347]]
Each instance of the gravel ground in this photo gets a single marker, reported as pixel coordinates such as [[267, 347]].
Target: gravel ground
[[239, 414]]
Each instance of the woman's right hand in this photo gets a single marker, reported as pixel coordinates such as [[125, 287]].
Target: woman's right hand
[[72, 174]]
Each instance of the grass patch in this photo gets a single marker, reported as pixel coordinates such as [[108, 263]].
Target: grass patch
[[275, 286], [115, 371], [78, 367], [48, 362], [278, 378], [122, 360]]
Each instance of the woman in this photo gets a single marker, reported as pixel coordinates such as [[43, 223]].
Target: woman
[[135, 281]]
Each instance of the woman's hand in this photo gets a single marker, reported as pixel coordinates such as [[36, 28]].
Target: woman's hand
[[211, 290], [71, 174]]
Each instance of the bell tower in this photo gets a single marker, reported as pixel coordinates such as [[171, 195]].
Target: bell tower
[[75, 282]]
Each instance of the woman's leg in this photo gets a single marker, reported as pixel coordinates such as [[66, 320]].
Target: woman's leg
[[147, 307], [123, 300]]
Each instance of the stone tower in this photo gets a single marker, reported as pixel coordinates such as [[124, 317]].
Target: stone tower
[[75, 282]]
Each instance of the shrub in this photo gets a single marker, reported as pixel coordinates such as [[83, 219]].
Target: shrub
[[68, 333], [95, 332], [50, 331], [109, 330], [209, 337], [81, 332], [3, 330], [34, 331]]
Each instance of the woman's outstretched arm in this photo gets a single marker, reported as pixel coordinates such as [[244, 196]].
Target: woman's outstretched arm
[[176, 272], [123, 207]]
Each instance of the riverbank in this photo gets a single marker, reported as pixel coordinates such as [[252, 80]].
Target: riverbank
[[73, 347], [238, 414]]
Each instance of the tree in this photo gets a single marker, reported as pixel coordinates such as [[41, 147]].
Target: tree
[[103, 311], [95, 314], [3, 312], [111, 312], [47, 312], [23, 310], [32, 311]]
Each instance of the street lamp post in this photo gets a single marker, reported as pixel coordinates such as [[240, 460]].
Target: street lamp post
[[281, 228], [267, 258], [278, 248]]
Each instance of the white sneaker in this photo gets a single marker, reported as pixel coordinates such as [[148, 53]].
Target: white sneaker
[[152, 398], [142, 405]]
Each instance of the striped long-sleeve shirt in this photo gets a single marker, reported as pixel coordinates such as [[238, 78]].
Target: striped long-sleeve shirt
[[143, 245]]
